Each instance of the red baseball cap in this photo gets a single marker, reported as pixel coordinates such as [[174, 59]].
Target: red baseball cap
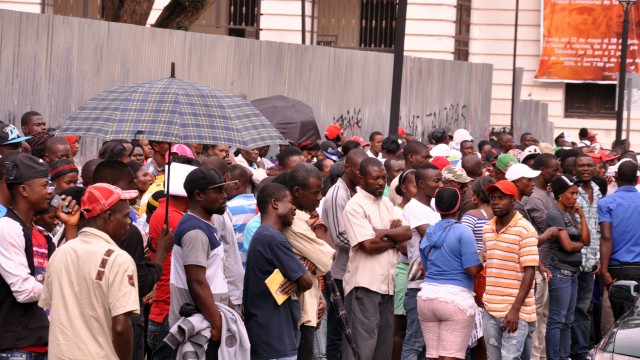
[[402, 132], [608, 155], [441, 162], [333, 131], [505, 186], [591, 134], [100, 197], [359, 140]]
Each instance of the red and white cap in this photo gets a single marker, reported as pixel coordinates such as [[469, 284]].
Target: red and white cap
[[100, 197]]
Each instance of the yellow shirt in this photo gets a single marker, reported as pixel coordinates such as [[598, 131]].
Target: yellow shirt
[[158, 185], [306, 244]]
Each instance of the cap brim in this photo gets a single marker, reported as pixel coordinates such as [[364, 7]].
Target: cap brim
[[534, 155], [20, 139], [331, 156], [129, 194], [222, 184], [492, 187]]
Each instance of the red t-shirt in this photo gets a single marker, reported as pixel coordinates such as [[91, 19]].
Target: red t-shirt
[[161, 301]]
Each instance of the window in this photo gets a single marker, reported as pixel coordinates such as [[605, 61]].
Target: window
[[588, 100], [463, 29], [377, 23], [243, 15]]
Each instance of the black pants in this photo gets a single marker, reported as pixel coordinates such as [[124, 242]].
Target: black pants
[[334, 329], [627, 271], [307, 337]]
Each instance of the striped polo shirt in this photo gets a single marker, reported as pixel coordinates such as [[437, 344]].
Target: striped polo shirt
[[507, 253]]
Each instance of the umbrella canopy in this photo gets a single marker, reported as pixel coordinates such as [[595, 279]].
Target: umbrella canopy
[[293, 118], [174, 111]]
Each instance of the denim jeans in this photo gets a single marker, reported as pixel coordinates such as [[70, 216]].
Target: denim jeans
[[563, 292], [502, 345], [155, 335], [413, 346], [21, 355], [581, 329], [334, 328]]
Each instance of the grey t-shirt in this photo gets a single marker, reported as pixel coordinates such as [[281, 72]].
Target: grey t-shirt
[[558, 257], [537, 206]]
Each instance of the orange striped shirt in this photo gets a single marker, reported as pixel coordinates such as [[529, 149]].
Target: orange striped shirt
[[508, 252]]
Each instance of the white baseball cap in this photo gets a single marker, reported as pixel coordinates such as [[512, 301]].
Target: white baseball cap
[[517, 171], [462, 135], [532, 150]]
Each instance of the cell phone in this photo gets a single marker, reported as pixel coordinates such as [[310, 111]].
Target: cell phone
[[55, 200]]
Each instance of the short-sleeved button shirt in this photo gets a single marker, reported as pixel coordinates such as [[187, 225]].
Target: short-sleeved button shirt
[[619, 209], [508, 252], [89, 280], [363, 215]]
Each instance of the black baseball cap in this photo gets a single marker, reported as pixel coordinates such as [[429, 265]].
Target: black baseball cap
[[9, 134], [24, 167], [203, 178]]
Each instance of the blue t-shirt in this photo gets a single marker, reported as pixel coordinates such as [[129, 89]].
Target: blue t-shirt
[[273, 330], [453, 250], [620, 209], [249, 230]]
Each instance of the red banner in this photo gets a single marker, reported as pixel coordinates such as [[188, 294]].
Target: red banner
[[581, 41]]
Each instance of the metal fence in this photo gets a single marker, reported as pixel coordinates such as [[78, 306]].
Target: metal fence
[[53, 64]]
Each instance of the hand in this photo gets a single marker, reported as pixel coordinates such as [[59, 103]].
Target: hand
[[215, 335], [510, 322], [552, 232], [597, 270], [482, 254], [322, 306], [165, 240], [546, 273], [72, 218], [610, 180], [287, 287], [260, 164], [313, 219], [578, 211], [309, 265], [396, 223], [606, 278]]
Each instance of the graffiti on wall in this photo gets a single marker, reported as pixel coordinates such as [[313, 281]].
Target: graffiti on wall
[[455, 116], [351, 120]]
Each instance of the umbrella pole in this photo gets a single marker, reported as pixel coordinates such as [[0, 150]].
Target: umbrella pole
[[166, 191]]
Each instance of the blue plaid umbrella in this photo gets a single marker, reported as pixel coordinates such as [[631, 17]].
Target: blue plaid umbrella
[[175, 111]]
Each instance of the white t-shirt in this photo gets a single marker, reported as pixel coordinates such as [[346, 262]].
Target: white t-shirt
[[417, 214]]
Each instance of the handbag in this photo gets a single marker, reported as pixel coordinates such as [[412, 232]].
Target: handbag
[[416, 271]]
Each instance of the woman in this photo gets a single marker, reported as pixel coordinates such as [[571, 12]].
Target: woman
[[137, 153], [475, 219], [407, 189], [446, 307], [564, 261], [142, 179]]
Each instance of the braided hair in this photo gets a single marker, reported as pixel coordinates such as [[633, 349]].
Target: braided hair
[[38, 144]]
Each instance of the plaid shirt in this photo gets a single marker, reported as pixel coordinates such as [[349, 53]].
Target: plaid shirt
[[591, 253]]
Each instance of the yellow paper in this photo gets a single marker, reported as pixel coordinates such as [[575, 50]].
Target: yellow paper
[[273, 283]]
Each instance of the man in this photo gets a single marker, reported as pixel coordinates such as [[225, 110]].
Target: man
[[467, 148], [233, 269], [117, 173], [503, 163], [305, 185], [158, 183], [472, 165], [334, 133], [588, 198], [91, 285], [273, 329], [620, 234], [522, 177], [32, 122], [336, 200], [511, 248], [10, 138], [241, 205], [505, 143], [375, 149], [155, 166], [287, 158], [526, 140], [537, 206], [529, 155], [374, 232], [86, 174], [158, 327], [23, 260], [394, 167], [197, 269], [420, 215], [57, 148], [456, 177], [415, 155], [249, 159], [442, 137], [263, 151]]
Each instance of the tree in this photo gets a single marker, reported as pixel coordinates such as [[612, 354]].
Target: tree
[[178, 14]]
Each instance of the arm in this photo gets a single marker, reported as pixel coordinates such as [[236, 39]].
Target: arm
[[551, 233], [585, 234], [511, 320], [201, 294], [14, 268], [332, 210], [537, 212], [397, 235], [122, 334], [474, 270], [566, 243], [469, 252], [606, 247], [148, 272], [376, 246]]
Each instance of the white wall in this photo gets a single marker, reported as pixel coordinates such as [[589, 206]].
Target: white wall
[[430, 30], [280, 21]]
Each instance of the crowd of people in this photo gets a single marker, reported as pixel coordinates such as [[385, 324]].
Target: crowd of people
[[391, 248]]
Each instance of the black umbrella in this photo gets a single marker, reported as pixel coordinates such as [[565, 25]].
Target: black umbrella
[[293, 118]]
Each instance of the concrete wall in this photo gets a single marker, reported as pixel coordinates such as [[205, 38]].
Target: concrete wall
[[430, 28]]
